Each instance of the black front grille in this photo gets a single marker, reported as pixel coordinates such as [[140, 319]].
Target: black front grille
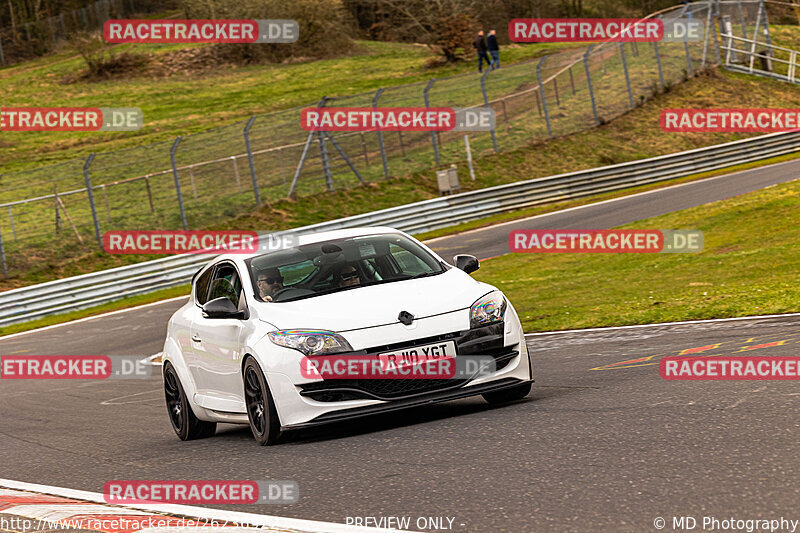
[[381, 389], [483, 341]]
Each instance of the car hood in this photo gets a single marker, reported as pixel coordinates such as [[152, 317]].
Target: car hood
[[377, 305]]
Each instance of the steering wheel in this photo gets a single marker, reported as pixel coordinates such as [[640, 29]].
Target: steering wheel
[[280, 291]]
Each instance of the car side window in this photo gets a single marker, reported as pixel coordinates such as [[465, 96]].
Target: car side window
[[226, 284], [408, 262], [201, 286]]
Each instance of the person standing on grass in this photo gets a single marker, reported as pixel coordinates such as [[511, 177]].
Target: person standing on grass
[[480, 47], [494, 50]]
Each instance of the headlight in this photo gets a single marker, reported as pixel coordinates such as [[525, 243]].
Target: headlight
[[488, 310], [310, 341]]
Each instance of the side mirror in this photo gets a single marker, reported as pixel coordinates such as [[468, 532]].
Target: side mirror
[[221, 308], [467, 263]]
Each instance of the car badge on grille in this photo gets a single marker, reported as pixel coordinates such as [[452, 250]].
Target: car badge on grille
[[405, 317]]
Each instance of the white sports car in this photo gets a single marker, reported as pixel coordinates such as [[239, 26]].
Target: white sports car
[[234, 352]]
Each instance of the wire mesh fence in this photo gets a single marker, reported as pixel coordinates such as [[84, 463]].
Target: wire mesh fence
[[203, 178]]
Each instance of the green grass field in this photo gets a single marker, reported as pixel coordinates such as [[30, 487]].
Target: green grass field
[[184, 104], [749, 266]]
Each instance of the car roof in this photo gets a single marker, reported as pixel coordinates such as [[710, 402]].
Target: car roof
[[320, 236]]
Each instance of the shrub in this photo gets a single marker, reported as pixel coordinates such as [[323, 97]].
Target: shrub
[[324, 28]]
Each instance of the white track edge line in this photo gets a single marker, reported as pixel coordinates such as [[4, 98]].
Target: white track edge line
[[253, 519], [685, 322]]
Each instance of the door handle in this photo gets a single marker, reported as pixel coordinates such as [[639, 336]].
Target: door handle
[[195, 338]]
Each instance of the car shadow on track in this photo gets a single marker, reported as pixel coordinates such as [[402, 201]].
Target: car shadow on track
[[384, 421]]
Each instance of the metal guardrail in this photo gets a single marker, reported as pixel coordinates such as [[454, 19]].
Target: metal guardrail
[[88, 290]]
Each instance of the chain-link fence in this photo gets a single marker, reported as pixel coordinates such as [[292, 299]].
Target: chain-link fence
[[212, 176]]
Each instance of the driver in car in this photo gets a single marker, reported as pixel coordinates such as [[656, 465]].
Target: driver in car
[[269, 282], [348, 276]]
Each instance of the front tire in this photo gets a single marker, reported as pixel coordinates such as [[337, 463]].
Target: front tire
[[261, 411], [511, 394], [185, 424]]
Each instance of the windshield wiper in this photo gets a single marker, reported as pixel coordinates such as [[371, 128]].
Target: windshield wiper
[[423, 274]]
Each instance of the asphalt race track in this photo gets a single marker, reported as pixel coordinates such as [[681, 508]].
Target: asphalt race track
[[601, 443]]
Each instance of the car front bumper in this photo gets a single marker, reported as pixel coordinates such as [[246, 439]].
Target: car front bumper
[[298, 400]]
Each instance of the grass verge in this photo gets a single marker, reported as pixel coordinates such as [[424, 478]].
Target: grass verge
[[748, 267]]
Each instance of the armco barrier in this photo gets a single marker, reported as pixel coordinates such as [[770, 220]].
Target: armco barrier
[[88, 290]]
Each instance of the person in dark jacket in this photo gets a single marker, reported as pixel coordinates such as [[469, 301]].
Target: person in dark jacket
[[494, 50], [480, 47]]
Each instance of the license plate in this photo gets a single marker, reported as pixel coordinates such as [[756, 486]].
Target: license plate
[[418, 354]]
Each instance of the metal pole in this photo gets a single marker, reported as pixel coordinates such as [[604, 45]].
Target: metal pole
[[324, 153], [469, 158], [149, 195], [627, 76], [716, 39], [250, 159], [688, 56], [658, 62], [571, 80], [344, 155], [293, 186], [433, 133], [589, 83], [769, 37], [541, 91], [91, 199], [555, 90], [766, 25], [755, 39], [741, 18], [325, 163], [177, 181], [705, 37], [378, 94], [486, 103], [3, 256]]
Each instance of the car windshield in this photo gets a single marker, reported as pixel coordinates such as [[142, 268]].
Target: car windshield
[[337, 265]]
